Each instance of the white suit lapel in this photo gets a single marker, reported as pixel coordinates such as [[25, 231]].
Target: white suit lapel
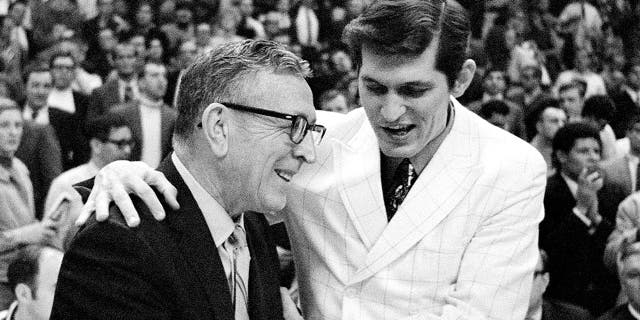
[[359, 185], [439, 188]]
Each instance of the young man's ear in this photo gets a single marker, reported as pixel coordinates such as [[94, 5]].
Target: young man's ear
[[215, 123], [23, 292], [465, 76]]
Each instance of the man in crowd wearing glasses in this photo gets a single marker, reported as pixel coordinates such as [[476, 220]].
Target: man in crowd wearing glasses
[[245, 126], [415, 208], [110, 139]]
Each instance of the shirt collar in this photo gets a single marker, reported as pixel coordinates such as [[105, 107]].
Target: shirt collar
[[218, 220], [635, 313], [573, 186], [7, 173]]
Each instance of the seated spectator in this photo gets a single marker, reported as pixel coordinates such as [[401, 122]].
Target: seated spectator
[[183, 29], [494, 85], [203, 38], [550, 119], [226, 29], [333, 100], [150, 119], [33, 276], [628, 267], [63, 66], [249, 27], [83, 82], [532, 94], [186, 54], [627, 100], [18, 224], [623, 170], [598, 111], [110, 139], [571, 96], [584, 67], [549, 309], [496, 112], [579, 210]]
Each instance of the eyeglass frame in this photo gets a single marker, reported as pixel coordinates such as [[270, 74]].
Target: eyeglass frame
[[320, 129], [121, 144]]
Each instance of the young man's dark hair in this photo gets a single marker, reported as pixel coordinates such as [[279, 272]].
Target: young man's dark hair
[[390, 28], [100, 127], [599, 108], [566, 137], [580, 84], [488, 109], [24, 268]]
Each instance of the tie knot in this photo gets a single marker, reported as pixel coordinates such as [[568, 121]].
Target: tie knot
[[238, 238]]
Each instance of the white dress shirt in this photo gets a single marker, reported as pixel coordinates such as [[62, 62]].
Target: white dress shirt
[[633, 162], [41, 118], [134, 87], [151, 123], [62, 100], [218, 221]]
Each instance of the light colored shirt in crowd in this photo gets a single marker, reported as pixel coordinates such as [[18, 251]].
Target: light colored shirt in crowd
[[608, 138], [16, 206], [633, 170], [595, 83], [62, 99], [85, 82], [150, 121], [220, 224], [41, 118]]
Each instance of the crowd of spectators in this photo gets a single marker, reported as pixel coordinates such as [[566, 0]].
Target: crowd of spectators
[[87, 82]]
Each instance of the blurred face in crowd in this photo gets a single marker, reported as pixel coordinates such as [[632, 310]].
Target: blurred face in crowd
[[585, 153], [550, 121], [633, 78], [10, 131], [105, 7], [154, 81], [572, 101], [583, 60], [62, 72], [188, 52], [629, 270], [283, 6], [17, 12], [118, 145], [634, 138], [540, 283], [107, 40], [155, 50], [494, 83], [406, 100], [529, 79], [40, 301], [183, 17], [341, 61], [38, 86], [499, 120], [144, 15], [203, 34], [125, 60], [337, 104], [246, 7], [139, 44]]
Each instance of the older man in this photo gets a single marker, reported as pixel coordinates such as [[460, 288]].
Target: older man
[[416, 207], [245, 126]]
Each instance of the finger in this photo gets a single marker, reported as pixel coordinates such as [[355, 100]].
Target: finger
[[170, 193], [124, 203], [85, 212], [103, 199], [147, 195]]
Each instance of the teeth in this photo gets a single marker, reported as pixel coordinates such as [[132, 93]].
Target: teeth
[[285, 176]]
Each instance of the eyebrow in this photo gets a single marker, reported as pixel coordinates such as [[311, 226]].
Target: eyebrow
[[430, 84]]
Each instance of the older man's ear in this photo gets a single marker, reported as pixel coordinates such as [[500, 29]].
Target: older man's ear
[[215, 126]]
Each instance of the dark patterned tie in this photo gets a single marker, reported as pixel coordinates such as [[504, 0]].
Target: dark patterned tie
[[403, 179], [637, 178], [128, 93]]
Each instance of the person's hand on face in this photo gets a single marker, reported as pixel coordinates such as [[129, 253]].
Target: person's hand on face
[[115, 181], [589, 183]]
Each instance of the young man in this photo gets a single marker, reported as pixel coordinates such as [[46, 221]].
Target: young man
[[628, 265], [550, 118], [33, 276], [367, 247]]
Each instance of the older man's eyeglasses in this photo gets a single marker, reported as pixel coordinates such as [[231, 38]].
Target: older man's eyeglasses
[[299, 124]]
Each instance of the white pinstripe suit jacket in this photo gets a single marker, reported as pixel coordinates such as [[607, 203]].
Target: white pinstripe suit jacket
[[463, 244]]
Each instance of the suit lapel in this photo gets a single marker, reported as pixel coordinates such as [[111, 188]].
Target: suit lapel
[[198, 246], [359, 185], [439, 189]]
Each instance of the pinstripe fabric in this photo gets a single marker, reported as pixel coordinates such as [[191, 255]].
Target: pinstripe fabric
[[462, 245]]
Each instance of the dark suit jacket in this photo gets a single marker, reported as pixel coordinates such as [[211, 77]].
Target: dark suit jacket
[[556, 310], [103, 98], [576, 267], [40, 151], [625, 107], [619, 313], [131, 112], [166, 269], [73, 142]]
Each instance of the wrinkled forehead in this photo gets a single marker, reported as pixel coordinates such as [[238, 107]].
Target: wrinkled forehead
[[281, 92]]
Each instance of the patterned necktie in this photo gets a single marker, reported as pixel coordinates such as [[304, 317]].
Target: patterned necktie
[[403, 179], [637, 186], [128, 93], [239, 277]]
